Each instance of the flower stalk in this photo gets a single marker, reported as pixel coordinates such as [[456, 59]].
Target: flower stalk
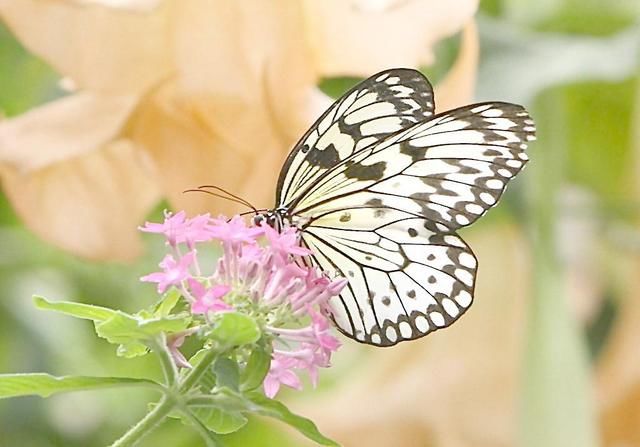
[[147, 424]]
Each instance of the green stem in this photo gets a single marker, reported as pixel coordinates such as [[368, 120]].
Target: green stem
[[556, 407], [159, 346], [168, 402], [194, 375], [146, 424]]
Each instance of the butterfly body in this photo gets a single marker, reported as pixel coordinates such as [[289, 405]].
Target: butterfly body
[[379, 187], [277, 218]]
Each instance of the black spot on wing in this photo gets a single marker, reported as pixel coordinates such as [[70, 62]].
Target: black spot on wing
[[359, 171], [416, 153], [323, 158]]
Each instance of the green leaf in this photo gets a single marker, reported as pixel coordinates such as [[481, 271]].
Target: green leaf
[[599, 119], [234, 329], [578, 19], [227, 373], [224, 399], [117, 327], [114, 325], [337, 86], [277, 410], [220, 421], [131, 350], [210, 438], [219, 412], [256, 370], [123, 328], [26, 80], [44, 385], [120, 328], [168, 303], [510, 68], [78, 310], [169, 324]]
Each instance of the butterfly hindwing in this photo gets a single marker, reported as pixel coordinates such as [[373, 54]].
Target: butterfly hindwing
[[404, 280], [387, 102]]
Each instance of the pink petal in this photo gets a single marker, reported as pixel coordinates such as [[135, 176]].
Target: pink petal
[[197, 289], [219, 291], [271, 386], [290, 379]]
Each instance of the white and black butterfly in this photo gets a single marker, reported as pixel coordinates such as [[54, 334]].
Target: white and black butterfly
[[378, 188]]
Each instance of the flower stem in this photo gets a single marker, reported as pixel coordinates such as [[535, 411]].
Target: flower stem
[[194, 375], [168, 402], [159, 346], [146, 424]]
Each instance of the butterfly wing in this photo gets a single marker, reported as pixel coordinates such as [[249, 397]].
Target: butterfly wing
[[385, 103], [405, 281], [385, 218]]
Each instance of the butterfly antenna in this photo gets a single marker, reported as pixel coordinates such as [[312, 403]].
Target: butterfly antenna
[[232, 196], [252, 212]]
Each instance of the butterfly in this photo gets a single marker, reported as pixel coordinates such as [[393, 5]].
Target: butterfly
[[378, 188]]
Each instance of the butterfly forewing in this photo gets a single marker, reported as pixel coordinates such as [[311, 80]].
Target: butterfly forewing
[[380, 106], [449, 170], [381, 208]]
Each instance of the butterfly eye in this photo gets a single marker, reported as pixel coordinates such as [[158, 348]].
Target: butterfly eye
[[258, 219]]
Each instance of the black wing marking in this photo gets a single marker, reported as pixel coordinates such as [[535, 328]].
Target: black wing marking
[[449, 170], [404, 280], [385, 219], [385, 103]]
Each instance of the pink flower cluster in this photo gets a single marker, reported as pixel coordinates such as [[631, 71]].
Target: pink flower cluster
[[258, 273]]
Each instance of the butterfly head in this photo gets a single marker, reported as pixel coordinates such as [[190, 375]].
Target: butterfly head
[[276, 218]]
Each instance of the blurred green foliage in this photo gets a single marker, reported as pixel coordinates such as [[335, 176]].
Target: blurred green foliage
[[25, 80], [573, 63]]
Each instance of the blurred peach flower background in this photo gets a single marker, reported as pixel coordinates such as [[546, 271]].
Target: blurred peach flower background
[[171, 94], [165, 95]]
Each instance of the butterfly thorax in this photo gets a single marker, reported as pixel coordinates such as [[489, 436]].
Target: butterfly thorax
[[277, 218]]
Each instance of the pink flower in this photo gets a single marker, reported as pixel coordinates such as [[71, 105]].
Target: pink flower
[[174, 272], [314, 346], [173, 344], [284, 243], [311, 359], [283, 282], [234, 231], [172, 227], [198, 229], [178, 229], [320, 327], [208, 299], [260, 270], [280, 373], [317, 291]]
